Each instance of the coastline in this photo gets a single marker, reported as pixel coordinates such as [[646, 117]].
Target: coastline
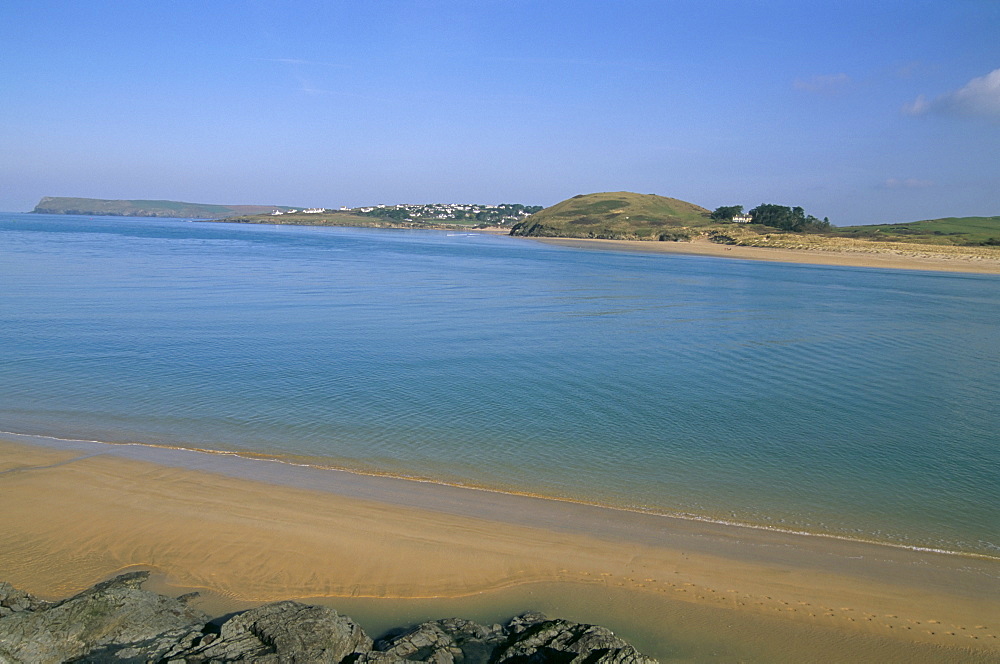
[[247, 532], [702, 247]]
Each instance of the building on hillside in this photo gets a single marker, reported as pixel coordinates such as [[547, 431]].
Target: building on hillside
[[742, 219]]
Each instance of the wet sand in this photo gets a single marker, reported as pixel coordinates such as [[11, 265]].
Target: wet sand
[[387, 550], [702, 247]]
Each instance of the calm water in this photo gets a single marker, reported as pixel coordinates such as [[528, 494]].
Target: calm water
[[848, 401]]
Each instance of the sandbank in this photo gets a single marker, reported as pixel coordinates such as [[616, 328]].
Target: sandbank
[[702, 247], [248, 531]]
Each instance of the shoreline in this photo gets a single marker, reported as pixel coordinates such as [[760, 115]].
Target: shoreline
[[249, 532], [798, 256], [358, 477]]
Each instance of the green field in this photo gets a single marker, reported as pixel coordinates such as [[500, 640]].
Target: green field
[[964, 231], [619, 215]]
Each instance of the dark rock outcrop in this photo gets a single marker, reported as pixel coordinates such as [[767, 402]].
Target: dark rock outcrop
[[109, 622], [117, 621], [280, 632]]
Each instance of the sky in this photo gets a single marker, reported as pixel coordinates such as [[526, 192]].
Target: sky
[[863, 112]]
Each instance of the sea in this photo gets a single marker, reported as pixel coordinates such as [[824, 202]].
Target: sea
[[848, 402]]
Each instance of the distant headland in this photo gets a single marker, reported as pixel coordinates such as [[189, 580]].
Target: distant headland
[[142, 208]]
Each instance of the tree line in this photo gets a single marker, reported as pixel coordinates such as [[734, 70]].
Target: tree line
[[776, 216]]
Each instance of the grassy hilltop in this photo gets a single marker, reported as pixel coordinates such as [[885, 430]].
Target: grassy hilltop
[[966, 231], [619, 215]]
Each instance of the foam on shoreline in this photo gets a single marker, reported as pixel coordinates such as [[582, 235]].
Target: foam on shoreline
[[286, 461]]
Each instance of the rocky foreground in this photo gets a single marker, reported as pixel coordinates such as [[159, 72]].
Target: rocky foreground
[[117, 621]]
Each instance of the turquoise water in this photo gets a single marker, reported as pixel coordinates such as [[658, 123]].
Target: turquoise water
[[847, 401]]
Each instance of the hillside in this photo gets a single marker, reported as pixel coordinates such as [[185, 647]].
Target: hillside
[[963, 231], [140, 208], [617, 215]]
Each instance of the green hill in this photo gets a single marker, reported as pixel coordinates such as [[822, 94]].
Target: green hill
[[950, 230], [619, 215], [139, 208]]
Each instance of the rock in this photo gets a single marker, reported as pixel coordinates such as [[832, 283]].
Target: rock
[[119, 622], [534, 638], [13, 600], [114, 616], [281, 632], [529, 638], [439, 642]]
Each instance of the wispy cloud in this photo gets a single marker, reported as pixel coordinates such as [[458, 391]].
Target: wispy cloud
[[296, 61], [980, 97], [907, 183], [827, 84], [626, 65]]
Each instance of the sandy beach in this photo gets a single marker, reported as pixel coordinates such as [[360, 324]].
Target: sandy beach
[[247, 531], [924, 257]]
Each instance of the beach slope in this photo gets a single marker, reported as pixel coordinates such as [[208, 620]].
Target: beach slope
[[246, 531]]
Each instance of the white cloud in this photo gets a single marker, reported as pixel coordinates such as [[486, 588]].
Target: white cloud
[[979, 97], [907, 183], [918, 106], [823, 84]]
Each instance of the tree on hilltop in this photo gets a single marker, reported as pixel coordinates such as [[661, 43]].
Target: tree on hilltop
[[726, 212], [788, 219]]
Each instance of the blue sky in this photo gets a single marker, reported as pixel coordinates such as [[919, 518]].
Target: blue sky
[[863, 112]]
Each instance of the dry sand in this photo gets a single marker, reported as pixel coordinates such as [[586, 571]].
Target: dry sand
[[925, 257], [74, 515]]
